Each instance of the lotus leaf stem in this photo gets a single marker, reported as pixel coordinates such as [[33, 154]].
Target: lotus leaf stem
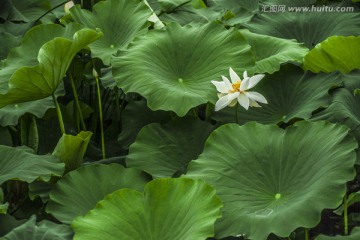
[[58, 111], [346, 224], [77, 102], [307, 234], [101, 117]]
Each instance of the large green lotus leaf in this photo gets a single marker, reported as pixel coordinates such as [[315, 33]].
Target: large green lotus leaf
[[173, 69], [271, 52], [10, 114], [22, 164], [291, 94], [78, 191], [135, 116], [41, 80], [44, 230], [336, 53], [345, 107], [177, 209], [266, 175], [163, 150], [26, 54], [71, 149], [123, 21], [308, 28], [355, 235]]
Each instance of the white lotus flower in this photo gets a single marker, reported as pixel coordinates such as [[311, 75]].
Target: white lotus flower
[[237, 91]]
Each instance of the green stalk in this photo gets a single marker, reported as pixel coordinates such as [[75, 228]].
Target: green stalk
[[100, 115], [306, 234], [58, 111], [76, 98], [346, 223]]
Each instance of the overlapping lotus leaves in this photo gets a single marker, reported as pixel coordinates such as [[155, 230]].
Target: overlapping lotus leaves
[[173, 69], [266, 175], [120, 21], [22, 164], [71, 149], [291, 93], [177, 209], [336, 53], [308, 28], [345, 107], [78, 191], [271, 52], [135, 116], [164, 150], [26, 54], [37, 78], [44, 230], [355, 235]]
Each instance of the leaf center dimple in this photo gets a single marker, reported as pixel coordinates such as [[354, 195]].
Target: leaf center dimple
[[277, 196]]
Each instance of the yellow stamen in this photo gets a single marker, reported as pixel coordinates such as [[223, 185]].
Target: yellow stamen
[[236, 87]]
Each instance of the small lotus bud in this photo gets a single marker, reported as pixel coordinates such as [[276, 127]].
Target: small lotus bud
[[68, 5]]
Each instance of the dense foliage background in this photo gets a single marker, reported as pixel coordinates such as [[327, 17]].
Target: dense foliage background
[[108, 128]]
